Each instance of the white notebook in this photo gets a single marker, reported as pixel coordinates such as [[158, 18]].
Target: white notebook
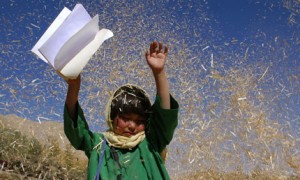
[[70, 41]]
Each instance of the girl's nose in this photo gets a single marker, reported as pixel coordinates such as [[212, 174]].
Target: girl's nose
[[131, 125]]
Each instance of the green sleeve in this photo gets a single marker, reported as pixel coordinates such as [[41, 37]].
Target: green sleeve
[[162, 124], [78, 133]]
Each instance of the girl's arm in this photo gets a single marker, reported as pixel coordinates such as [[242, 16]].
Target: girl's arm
[[156, 59], [72, 96]]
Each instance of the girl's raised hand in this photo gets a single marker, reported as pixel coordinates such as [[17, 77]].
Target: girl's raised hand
[[156, 56]]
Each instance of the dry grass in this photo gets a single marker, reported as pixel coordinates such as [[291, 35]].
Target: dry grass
[[237, 135], [23, 156]]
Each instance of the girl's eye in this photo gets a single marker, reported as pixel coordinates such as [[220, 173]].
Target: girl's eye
[[128, 118], [125, 118], [140, 122]]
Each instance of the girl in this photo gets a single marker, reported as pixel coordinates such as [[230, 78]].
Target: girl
[[138, 132]]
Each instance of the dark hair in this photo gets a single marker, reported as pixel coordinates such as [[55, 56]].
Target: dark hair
[[130, 99]]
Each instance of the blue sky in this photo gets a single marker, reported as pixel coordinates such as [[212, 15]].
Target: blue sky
[[209, 40], [219, 22], [23, 22], [243, 18]]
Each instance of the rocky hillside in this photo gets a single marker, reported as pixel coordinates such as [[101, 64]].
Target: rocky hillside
[[44, 131]]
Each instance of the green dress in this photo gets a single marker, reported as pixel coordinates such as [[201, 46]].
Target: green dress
[[142, 161]]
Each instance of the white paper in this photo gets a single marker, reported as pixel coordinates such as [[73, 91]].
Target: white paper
[[70, 41], [50, 31], [76, 43], [74, 22], [75, 66]]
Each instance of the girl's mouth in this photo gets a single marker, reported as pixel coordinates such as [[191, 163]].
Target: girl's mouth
[[129, 133]]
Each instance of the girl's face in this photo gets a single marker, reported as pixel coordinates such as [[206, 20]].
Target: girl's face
[[128, 124]]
